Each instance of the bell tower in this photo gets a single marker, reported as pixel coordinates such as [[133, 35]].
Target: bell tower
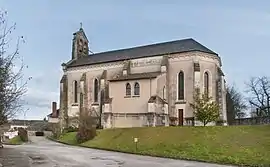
[[79, 44]]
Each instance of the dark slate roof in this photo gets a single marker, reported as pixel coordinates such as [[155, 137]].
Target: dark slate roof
[[177, 46], [146, 75], [56, 116]]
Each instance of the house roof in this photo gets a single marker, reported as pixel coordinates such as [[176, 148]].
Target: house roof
[[146, 75], [54, 116], [178, 46]]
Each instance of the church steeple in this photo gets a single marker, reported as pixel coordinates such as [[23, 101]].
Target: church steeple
[[79, 44]]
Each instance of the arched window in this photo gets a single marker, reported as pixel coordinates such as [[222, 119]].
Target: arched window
[[136, 88], [75, 91], [181, 87], [96, 90], [164, 93], [128, 89], [206, 84]]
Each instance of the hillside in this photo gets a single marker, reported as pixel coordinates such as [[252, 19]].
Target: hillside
[[229, 145]]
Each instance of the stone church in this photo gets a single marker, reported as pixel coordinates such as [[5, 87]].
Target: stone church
[[151, 85]]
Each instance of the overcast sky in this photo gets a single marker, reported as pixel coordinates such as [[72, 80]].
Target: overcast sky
[[238, 30]]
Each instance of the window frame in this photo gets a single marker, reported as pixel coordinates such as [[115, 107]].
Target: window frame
[[181, 86], [96, 85], [206, 83], [75, 91], [128, 89], [137, 89]]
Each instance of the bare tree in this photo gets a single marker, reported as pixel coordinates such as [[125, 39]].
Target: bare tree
[[12, 82], [236, 103], [258, 89], [87, 126]]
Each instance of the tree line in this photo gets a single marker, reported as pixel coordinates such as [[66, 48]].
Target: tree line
[[255, 98]]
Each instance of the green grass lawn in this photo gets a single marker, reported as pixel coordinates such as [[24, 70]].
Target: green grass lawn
[[15, 141], [230, 145], [69, 138]]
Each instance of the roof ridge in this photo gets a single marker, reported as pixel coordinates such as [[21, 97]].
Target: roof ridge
[[161, 48], [147, 45]]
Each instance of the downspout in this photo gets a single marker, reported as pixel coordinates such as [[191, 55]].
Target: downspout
[[150, 94], [150, 87], [100, 108]]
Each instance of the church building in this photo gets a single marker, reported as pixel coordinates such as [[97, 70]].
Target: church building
[[151, 85]]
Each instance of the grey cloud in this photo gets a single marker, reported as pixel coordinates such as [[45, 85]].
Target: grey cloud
[[37, 102]]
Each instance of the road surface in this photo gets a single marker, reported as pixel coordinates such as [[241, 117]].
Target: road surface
[[44, 153]]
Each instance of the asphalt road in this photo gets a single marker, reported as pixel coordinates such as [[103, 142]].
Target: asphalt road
[[44, 153]]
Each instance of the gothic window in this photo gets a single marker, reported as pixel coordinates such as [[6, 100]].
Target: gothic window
[[164, 93], [96, 90], [75, 91], [206, 84], [181, 86], [128, 89], [136, 88]]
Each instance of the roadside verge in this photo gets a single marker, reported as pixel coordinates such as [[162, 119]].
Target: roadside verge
[[220, 145], [136, 153]]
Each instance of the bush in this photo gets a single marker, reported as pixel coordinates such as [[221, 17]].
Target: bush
[[220, 122], [15, 140], [87, 127], [84, 134], [173, 121], [23, 134]]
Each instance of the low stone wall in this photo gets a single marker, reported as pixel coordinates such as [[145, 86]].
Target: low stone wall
[[253, 121], [47, 133], [31, 133]]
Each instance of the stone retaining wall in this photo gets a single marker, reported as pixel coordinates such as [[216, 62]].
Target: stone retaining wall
[[253, 121]]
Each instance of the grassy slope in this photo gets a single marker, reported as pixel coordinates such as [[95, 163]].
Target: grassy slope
[[15, 140], [233, 144], [69, 138]]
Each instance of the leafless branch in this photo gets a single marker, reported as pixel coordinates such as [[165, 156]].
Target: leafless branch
[[12, 84], [238, 103], [258, 89]]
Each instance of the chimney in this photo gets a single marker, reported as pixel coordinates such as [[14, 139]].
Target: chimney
[[54, 113]]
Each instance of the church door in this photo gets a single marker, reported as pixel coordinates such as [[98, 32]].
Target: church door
[[180, 117]]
